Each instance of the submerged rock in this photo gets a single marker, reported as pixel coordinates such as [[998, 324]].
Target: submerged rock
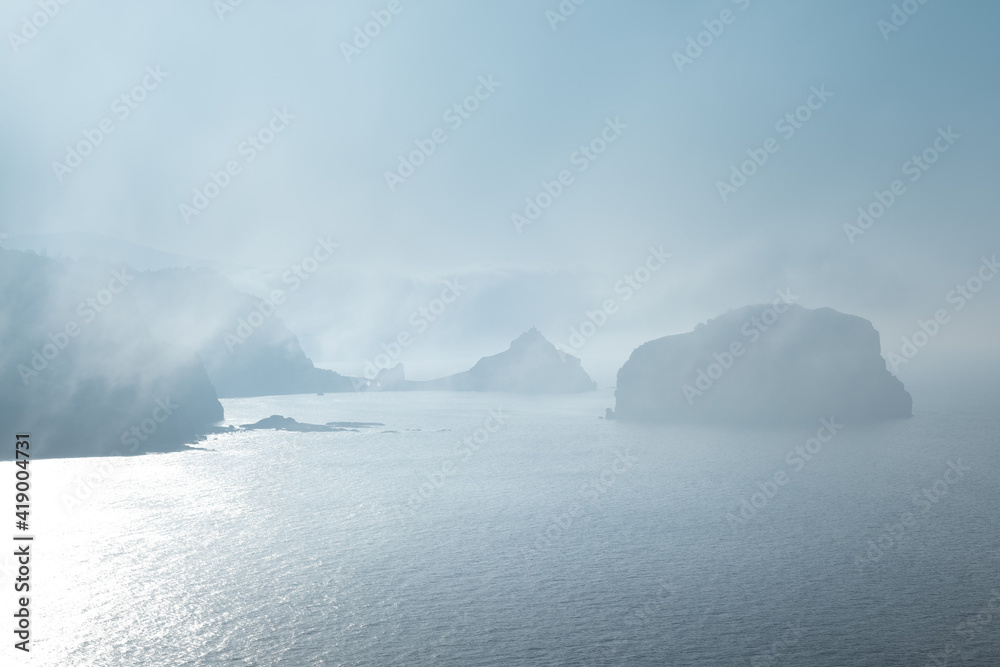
[[279, 423]]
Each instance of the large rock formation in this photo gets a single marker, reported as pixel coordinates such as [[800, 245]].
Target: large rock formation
[[532, 365], [82, 373], [780, 364]]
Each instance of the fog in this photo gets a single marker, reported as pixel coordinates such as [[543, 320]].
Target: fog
[[500, 332], [339, 118]]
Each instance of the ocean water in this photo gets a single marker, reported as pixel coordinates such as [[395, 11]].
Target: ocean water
[[493, 529]]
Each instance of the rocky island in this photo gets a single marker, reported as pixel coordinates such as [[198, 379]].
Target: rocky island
[[280, 423], [769, 364], [532, 365]]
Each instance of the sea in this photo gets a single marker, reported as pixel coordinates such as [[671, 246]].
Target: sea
[[500, 529]]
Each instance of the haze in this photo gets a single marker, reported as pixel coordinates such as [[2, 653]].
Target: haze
[[544, 92]]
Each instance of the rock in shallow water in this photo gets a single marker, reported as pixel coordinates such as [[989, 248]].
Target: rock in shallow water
[[279, 423]]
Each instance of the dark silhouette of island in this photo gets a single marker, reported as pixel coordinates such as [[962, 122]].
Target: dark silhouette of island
[[532, 365], [756, 365], [81, 371], [99, 360]]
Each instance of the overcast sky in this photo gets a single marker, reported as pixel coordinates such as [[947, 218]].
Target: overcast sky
[[880, 95]]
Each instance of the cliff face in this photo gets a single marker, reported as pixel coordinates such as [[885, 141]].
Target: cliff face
[[756, 365], [81, 371], [246, 349], [532, 365]]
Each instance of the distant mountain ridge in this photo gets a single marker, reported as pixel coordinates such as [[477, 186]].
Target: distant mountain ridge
[[245, 346]]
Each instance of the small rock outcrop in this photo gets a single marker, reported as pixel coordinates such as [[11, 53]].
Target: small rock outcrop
[[279, 423]]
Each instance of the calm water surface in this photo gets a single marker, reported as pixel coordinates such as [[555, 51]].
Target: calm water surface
[[558, 538]]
